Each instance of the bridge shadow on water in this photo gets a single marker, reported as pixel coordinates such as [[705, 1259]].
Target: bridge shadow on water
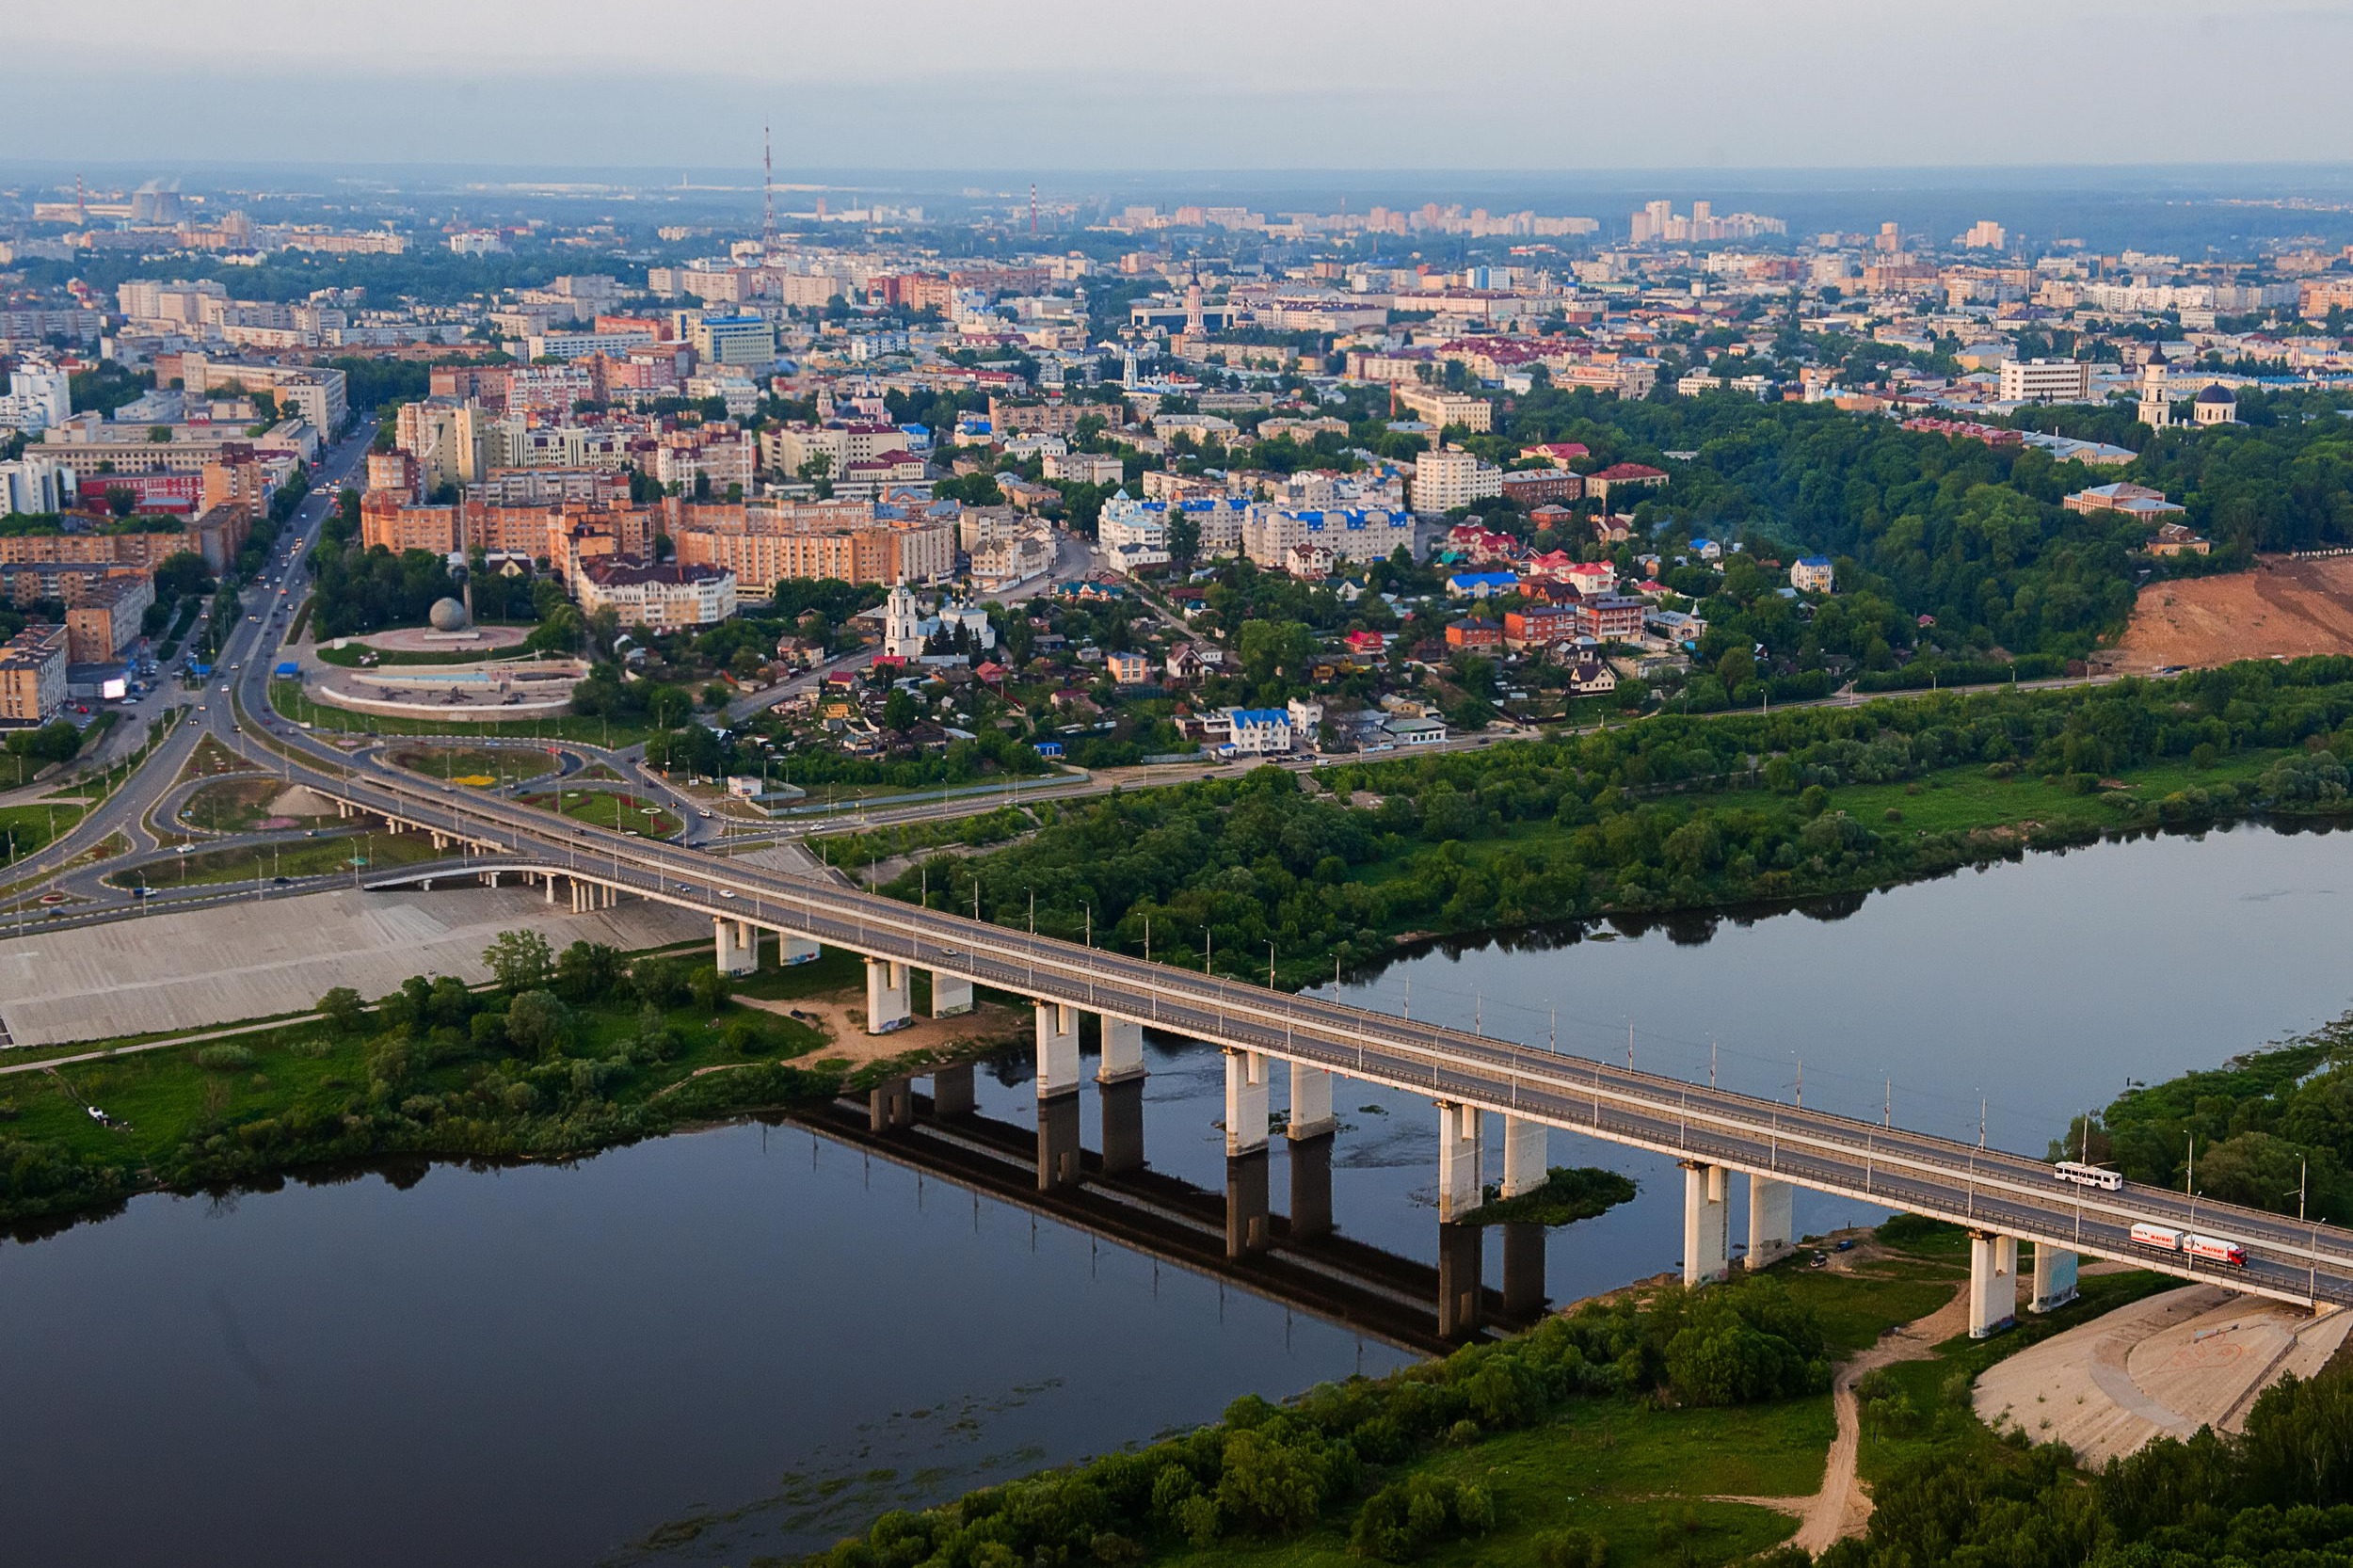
[[1234, 1236]]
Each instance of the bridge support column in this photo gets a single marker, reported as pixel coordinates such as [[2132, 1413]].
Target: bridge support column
[[1770, 1223], [1248, 1229], [951, 1091], [735, 954], [1246, 1080], [493, 877], [793, 949], [952, 994], [1311, 1102], [550, 883], [1123, 1123], [1993, 1282], [1057, 1048], [1058, 1166], [1523, 1269], [1123, 1050], [2054, 1278], [1706, 1222], [886, 996], [1525, 1146], [890, 1105], [1310, 1132], [1459, 1191], [1460, 1249]]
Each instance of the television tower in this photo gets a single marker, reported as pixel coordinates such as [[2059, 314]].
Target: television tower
[[1033, 207], [767, 193]]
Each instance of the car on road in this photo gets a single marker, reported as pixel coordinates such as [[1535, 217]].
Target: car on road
[[724, 892], [706, 810]]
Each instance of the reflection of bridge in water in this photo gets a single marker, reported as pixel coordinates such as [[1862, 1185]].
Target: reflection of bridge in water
[[1294, 1257]]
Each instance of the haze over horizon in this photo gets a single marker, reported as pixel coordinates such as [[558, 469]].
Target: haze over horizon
[[1030, 84]]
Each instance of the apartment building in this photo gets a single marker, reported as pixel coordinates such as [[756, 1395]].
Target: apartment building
[[662, 598], [32, 675], [1446, 479], [1442, 409], [1270, 534], [106, 620], [762, 545]]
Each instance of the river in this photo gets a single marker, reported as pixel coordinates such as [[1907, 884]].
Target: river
[[747, 1340]]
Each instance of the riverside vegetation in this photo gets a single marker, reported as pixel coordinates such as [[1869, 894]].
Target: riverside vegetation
[[567, 1053], [1622, 1433], [1665, 815]]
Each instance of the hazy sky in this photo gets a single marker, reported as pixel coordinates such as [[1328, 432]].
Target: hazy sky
[[1016, 85]]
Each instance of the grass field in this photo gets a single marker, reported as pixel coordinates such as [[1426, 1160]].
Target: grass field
[[296, 857], [614, 809], [25, 830], [167, 1094], [239, 805], [499, 763]]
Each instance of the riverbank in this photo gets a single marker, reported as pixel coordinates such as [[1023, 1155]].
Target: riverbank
[[594, 1049], [1648, 1426], [1667, 817]]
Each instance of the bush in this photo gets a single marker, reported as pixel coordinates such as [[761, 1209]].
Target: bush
[[1571, 1548], [1407, 1518], [224, 1059]]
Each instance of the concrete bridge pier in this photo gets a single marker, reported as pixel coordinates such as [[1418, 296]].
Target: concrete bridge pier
[[550, 881], [1993, 1282], [1119, 1085], [887, 1007], [792, 949], [1459, 1190], [1525, 1148], [2054, 1278], [952, 994], [1310, 1131], [1706, 1222], [890, 1105], [737, 946], [1769, 1221], [1248, 1228], [1057, 1049], [951, 1091]]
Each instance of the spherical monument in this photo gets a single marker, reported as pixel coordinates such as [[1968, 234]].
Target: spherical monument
[[447, 615]]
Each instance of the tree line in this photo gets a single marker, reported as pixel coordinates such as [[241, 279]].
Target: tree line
[[1670, 813]]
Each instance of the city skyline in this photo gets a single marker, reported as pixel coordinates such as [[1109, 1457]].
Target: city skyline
[[1724, 86]]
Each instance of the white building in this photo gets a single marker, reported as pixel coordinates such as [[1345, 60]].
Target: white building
[[1451, 478], [662, 598], [2215, 405], [1270, 534], [36, 484], [39, 397], [1259, 731], [2045, 381]]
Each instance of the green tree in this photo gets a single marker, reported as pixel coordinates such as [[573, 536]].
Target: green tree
[[538, 1021], [342, 1010], [521, 959]]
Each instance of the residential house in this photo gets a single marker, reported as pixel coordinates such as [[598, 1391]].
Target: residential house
[[1474, 631]]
